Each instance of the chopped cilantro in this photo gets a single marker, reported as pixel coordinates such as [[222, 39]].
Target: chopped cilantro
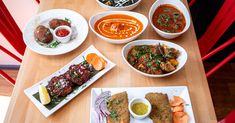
[[67, 19], [114, 115], [54, 44]]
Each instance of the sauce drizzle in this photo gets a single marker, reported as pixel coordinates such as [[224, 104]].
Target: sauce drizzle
[[118, 26]]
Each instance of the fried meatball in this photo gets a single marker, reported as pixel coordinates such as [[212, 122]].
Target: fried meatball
[[78, 74], [58, 22], [43, 34], [59, 86]]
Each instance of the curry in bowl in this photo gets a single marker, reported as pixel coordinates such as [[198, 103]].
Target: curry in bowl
[[169, 19], [153, 59], [118, 26]]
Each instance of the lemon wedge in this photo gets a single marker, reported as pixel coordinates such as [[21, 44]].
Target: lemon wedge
[[44, 95]]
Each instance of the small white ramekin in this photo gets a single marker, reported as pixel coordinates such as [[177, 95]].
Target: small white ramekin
[[136, 100], [64, 39]]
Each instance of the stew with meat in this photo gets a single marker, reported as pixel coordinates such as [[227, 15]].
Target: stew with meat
[[153, 59]]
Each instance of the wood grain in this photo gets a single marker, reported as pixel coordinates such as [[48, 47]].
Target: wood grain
[[36, 67]]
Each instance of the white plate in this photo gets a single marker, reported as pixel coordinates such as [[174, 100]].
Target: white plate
[[34, 89], [181, 59], [171, 91], [77, 20]]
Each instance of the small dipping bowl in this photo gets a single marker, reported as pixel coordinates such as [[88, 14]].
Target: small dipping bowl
[[139, 100], [64, 35]]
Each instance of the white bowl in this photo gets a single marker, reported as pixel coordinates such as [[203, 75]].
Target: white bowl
[[136, 100], [98, 16], [180, 6], [124, 8], [66, 38], [181, 59]]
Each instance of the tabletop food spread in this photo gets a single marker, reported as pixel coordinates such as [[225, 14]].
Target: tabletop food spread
[[60, 32]]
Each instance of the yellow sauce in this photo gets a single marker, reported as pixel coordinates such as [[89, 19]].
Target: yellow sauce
[[139, 108]]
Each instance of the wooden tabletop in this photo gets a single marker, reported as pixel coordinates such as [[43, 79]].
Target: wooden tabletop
[[35, 67]]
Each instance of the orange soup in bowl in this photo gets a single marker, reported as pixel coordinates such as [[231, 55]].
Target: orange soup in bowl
[[118, 26]]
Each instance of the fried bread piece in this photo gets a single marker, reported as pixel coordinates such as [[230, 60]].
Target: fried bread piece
[[161, 109], [118, 107]]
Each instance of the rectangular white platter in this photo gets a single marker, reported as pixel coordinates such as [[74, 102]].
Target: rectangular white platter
[[34, 89], [134, 92]]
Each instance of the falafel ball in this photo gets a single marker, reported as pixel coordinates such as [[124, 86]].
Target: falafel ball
[[58, 22], [43, 34]]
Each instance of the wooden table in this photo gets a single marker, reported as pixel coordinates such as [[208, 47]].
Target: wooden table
[[36, 67]]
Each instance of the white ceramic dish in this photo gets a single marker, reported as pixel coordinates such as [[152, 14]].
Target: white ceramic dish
[[181, 59], [139, 92], [66, 38], [98, 16], [180, 6], [125, 8], [78, 22], [139, 100], [34, 89]]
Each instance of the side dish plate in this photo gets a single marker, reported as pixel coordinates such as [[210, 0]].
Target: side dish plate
[[139, 92], [77, 20], [34, 89]]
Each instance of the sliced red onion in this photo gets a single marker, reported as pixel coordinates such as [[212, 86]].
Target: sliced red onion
[[101, 106]]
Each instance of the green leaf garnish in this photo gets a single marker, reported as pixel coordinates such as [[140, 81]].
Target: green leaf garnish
[[53, 44], [67, 19]]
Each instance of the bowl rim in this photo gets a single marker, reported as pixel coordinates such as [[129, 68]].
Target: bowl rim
[[112, 7], [169, 33], [119, 12], [143, 100], [154, 40]]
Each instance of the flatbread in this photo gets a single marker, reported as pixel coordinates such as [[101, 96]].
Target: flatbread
[[118, 107], [161, 109]]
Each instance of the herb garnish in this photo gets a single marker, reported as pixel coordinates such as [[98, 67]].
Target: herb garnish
[[83, 86], [67, 19], [53, 44], [116, 101], [114, 115]]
